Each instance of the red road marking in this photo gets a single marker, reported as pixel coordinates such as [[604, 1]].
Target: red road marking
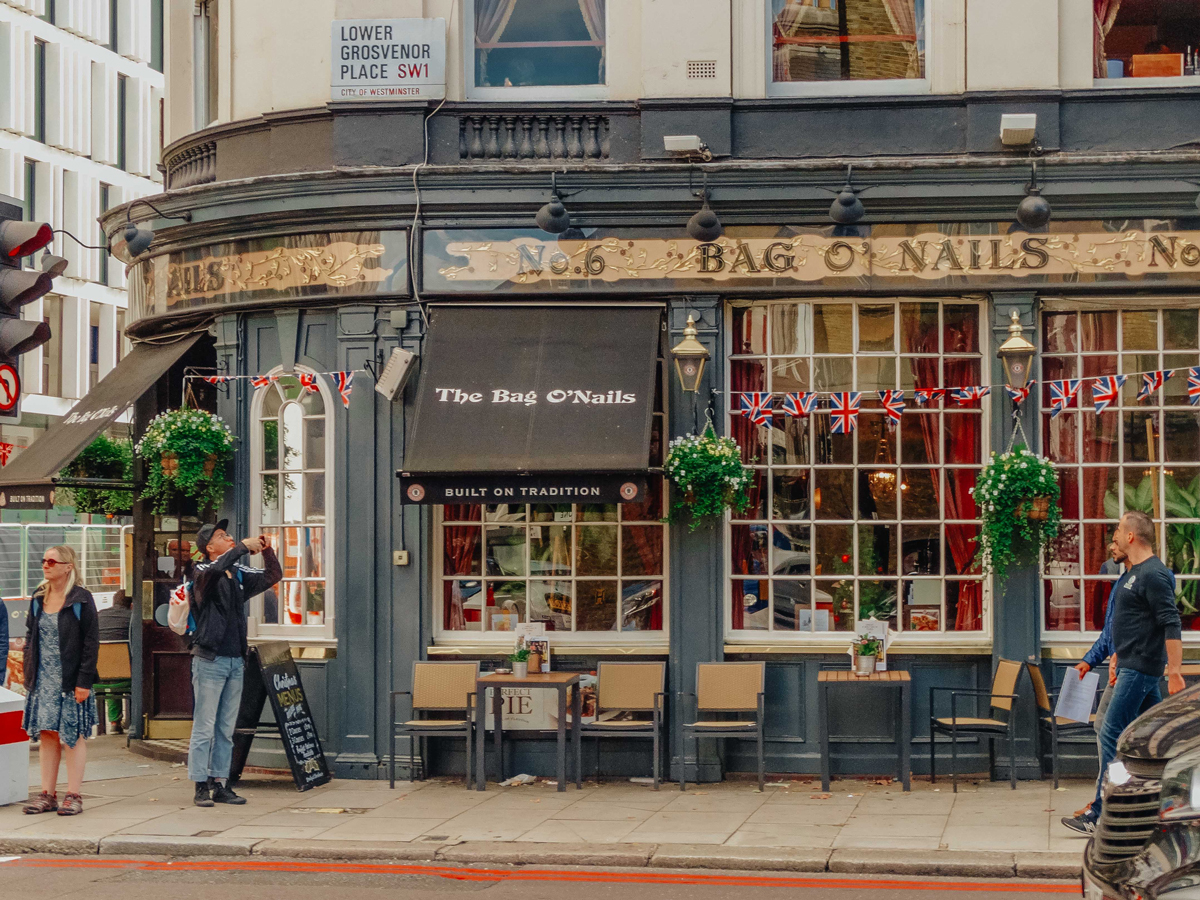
[[472, 874]]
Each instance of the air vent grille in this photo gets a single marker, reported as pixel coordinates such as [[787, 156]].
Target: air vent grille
[[702, 68]]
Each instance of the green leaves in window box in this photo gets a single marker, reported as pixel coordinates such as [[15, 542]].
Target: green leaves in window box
[[187, 454], [104, 458], [708, 475], [1017, 496]]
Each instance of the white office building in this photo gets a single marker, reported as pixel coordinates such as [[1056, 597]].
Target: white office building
[[81, 90]]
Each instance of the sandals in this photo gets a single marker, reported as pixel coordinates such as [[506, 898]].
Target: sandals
[[72, 805], [42, 803]]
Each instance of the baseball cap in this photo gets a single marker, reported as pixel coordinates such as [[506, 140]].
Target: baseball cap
[[207, 531]]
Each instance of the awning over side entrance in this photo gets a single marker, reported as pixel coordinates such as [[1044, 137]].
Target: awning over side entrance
[[553, 391], [61, 443]]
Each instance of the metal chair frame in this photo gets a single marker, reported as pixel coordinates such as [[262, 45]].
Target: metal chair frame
[[652, 728], [743, 728], [464, 729], [103, 691], [990, 732], [1048, 721]]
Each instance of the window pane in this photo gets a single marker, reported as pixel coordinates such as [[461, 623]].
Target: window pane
[[833, 494], [791, 328], [292, 431], [789, 441], [550, 550], [1059, 333], [597, 605], [964, 605], [505, 550], [1179, 329], [292, 501], [748, 544], [314, 443], [642, 550], [833, 329], [462, 605], [877, 599], [641, 606], [314, 497], [460, 550], [877, 328], [507, 603], [651, 509], [596, 550], [751, 605], [559, 42], [750, 330], [921, 551], [550, 602], [790, 374], [503, 513], [791, 550], [790, 494], [793, 605], [919, 328], [269, 501], [843, 40], [270, 444]]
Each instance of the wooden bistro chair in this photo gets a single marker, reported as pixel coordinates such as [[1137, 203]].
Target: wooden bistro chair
[[635, 687], [113, 679], [721, 688], [438, 687], [1002, 723], [1051, 725]]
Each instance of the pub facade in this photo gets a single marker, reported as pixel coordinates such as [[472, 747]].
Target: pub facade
[[516, 476]]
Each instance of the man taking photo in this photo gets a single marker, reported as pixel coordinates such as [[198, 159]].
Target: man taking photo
[[1146, 637], [220, 589]]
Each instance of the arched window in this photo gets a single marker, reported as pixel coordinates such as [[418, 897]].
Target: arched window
[[291, 449]]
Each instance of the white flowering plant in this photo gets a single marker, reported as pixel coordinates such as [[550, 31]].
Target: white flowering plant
[[187, 452], [708, 475], [1017, 496]]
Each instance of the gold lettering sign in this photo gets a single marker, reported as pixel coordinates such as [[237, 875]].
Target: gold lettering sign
[[812, 258]]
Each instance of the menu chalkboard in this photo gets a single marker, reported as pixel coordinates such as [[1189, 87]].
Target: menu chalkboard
[[271, 674]]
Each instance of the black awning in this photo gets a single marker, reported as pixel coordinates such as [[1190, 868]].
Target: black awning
[[535, 389], [61, 443]]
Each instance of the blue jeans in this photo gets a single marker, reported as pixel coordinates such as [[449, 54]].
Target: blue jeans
[[217, 691], [1133, 694]]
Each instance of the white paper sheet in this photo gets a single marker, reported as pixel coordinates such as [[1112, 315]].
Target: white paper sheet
[[1077, 695]]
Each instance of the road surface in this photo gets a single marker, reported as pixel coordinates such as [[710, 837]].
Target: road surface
[[100, 878]]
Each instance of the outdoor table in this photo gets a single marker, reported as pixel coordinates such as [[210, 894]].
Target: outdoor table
[[559, 681], [899, 680]]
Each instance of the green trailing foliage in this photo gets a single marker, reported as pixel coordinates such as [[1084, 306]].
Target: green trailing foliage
[[187, 454], [708, 475], [104, 458], [1182, 553], [1017, 496]]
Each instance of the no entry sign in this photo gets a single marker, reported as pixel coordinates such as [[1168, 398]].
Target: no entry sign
[[10, 388], [388, 59]]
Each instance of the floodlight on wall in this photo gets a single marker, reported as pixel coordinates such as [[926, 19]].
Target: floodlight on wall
[[1033, 211], [704, 226], [553, 217], [1018, 129], [138, 240], [847, 208]]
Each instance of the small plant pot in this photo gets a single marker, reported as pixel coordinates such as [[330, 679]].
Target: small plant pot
[[521, 669], [170, 465], [210, 465], [1037, 509], [864, 665]]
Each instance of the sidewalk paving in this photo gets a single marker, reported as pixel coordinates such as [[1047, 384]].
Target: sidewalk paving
[[136, 806]]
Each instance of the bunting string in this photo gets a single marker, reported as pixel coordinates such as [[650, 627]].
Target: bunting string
[[342, 383]]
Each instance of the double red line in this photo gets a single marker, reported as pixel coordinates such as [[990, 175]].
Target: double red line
[[556, 875]]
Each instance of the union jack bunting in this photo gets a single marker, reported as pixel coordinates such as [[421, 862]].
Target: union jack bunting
[[756, 407], [1061, 394], [341, 380], [309, 382], [800, 404], [216, 379], [964, 395], [6, 450], [1152, 381], [1019, 395], [893, 405], [263, 380], [1194, 385], [1106, 390], [843, 411], [928, 395]]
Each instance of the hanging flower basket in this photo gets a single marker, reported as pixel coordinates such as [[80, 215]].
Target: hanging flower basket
[[708, 475], [187, 452], [1017, 496], [104, 459]]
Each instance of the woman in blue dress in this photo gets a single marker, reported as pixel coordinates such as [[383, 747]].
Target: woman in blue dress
[[62, 643]]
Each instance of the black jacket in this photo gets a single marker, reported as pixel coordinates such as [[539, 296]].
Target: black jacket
[[78, 640], [220, 589], [1145, 617]]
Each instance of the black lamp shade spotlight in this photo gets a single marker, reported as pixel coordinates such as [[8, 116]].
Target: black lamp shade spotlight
[[846, 208], [137, 240], [553, 217], [1034, 210], [704, 226]]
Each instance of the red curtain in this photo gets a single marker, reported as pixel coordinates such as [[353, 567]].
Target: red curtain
[[460, 545], [745, 377]]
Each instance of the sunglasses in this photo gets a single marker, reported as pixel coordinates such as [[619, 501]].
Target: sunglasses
[[52, 563]]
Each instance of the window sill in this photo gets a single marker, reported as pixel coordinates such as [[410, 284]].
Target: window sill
[[472, 650], [534, 94], [304, 648], [785, 90], [961, 648], [1111, 84]]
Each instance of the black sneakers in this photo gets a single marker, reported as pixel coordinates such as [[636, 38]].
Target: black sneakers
[[202, 798], [223, 794], [1084, 823]]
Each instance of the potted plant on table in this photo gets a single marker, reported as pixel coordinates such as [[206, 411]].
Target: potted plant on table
[[187, 453], [708, 475], [866, 654], [1017, 496], [520, 662]]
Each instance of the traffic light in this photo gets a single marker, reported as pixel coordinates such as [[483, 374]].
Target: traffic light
[[18, 287]]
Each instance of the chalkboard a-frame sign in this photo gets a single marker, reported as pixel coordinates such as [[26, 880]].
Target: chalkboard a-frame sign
[[271, 674]]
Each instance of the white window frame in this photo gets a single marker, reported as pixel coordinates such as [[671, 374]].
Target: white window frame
[[1085, 638], [838, 641], [313, 635], [528, 93], [843, 88]]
